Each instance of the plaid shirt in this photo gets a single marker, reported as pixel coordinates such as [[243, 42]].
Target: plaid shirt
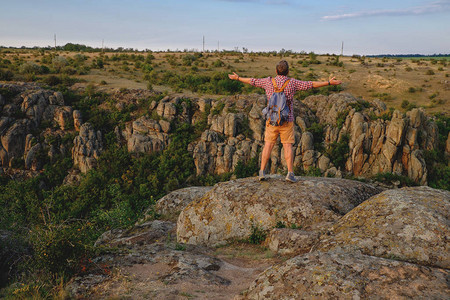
[[293, 86]]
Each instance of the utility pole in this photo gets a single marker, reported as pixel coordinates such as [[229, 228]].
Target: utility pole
[[103, 47], [342, 49], [55, 41], [203, 43], [218, 48]]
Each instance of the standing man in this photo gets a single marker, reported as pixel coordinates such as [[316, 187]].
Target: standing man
[[285, 131]]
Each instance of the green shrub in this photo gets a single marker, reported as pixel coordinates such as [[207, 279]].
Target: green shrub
[[60, 248], [390, 178], [257, 236], [218, 63], [6, 75], [248, 169], [360, 105], [338, 152], [52, 80], [218, 108], [408, 105], [58, 63], [340, 120], [317, 131], [280, 224], [30, 68]]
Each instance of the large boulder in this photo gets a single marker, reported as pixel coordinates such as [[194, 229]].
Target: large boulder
[[173, 203], [341, 275], [410, 224], [231, 209]]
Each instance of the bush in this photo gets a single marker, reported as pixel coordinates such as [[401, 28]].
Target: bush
[[317, 131], [390, 178], [6, 75], [248, 169], [257, 236], [338, 152], [58, 63], [30, 68], [218, 63], [59, 248], [408, 105]]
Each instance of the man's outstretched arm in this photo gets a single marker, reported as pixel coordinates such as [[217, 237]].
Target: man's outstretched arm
[[235, 76], [332, 81]]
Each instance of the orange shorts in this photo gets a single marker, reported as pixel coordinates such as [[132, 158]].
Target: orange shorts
[[285, 131]]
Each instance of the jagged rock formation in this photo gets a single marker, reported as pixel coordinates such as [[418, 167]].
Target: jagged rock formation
[[231, 208], [343, 275], [376, 145], [146, 135], [22, 114], [87, 147], [410, 224], [235, 131]]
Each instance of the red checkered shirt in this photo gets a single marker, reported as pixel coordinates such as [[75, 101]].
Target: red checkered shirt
[[293, 86]]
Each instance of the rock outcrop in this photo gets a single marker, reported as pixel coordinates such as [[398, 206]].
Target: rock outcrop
[[154, 266], [173, 203], [289, 241], [87, 147], [343, 275], [376, 145], [146, 135], [352, 241], [409, 224], [231, 208], [27, 110], [376, 141]]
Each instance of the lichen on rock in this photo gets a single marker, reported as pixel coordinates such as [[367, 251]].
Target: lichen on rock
[[410, 224], [231, 208]]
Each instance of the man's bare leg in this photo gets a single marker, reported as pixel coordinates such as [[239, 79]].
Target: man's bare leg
[[265, 158], [289, 156]]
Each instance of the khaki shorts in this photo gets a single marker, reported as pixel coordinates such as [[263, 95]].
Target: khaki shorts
[[285, 131]]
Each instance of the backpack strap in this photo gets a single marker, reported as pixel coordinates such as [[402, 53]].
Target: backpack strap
[[277, 90]]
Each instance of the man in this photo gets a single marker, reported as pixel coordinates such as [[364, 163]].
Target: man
[[285, 131]]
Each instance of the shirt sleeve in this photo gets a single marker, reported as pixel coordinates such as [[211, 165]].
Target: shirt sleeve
[[301, 85], [260, 82]]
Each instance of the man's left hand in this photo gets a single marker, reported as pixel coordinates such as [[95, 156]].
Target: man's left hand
[[333, 81]]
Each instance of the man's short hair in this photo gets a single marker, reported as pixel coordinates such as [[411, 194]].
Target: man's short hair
[[283, 68]]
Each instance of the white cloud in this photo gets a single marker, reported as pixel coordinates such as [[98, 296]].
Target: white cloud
[[433, 7]]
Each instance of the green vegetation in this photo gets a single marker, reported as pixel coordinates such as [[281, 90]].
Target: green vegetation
[[61, 222], [438, 164], [257, 236], [338, 152], [407, 106], [317, 131], [390, 178], [249, 169]]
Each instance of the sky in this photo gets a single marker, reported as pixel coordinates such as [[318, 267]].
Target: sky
[[365, 27]]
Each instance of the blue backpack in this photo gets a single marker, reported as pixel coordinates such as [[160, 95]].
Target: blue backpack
[[277, 110]]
